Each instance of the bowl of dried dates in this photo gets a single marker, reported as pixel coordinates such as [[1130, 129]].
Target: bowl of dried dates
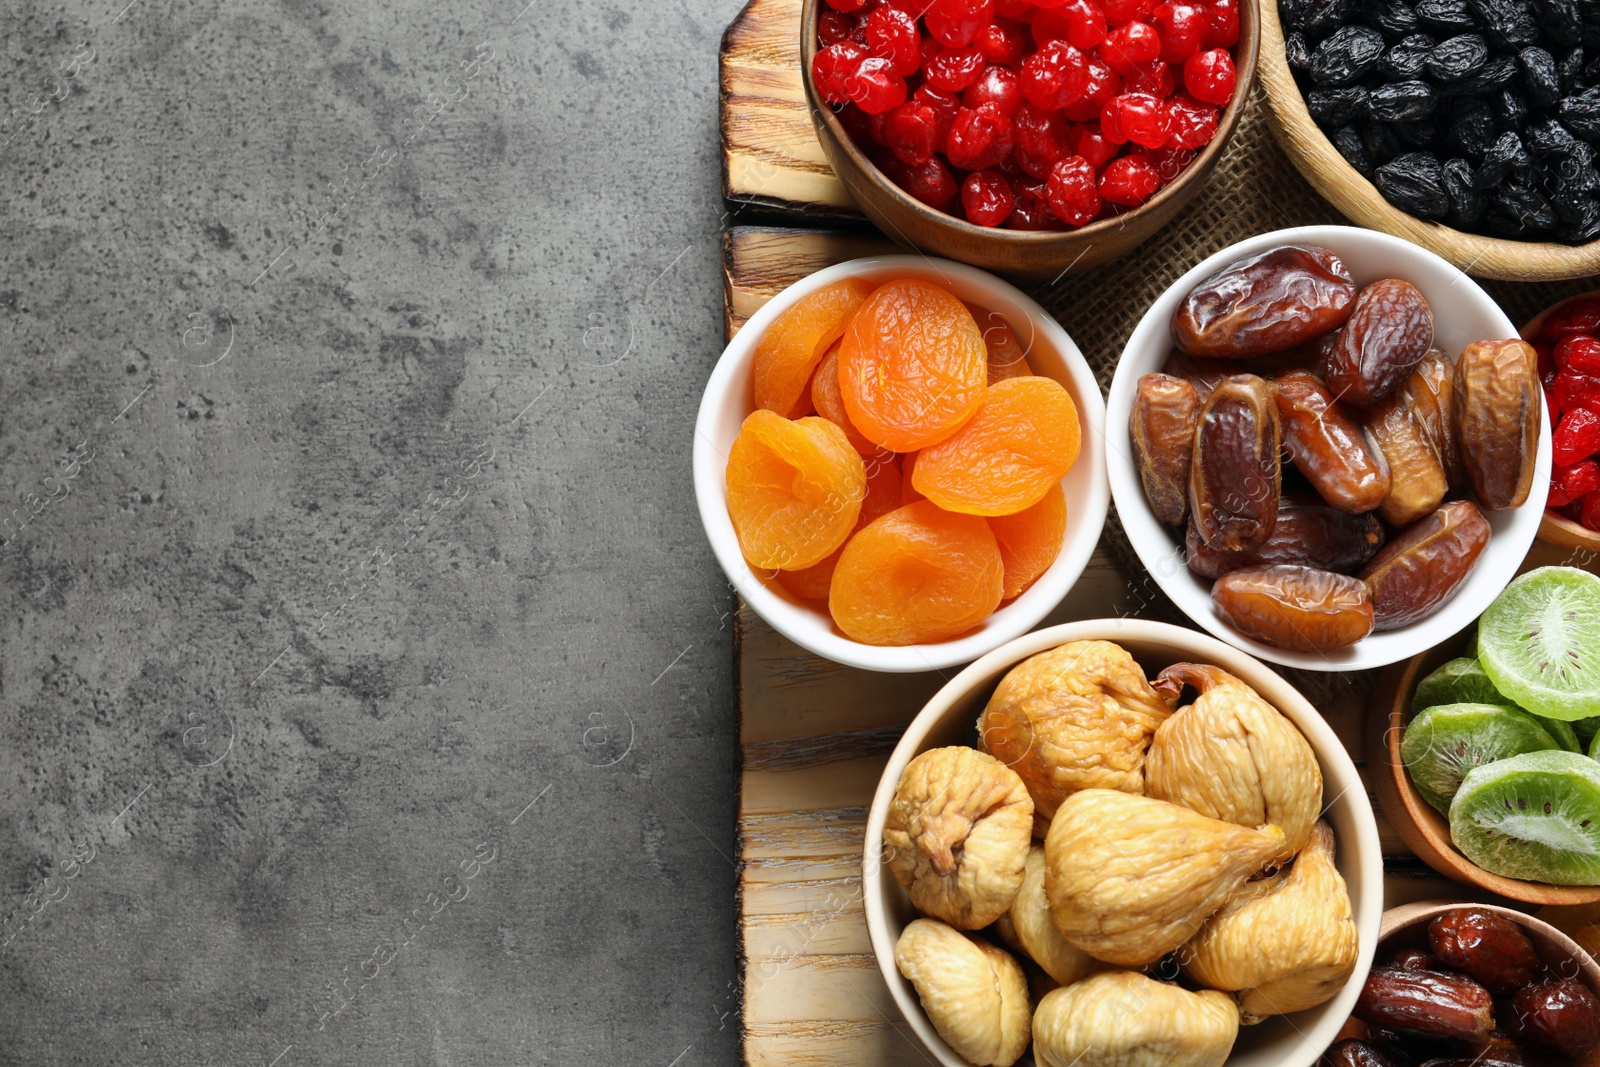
[[1476, 986], [1467, 126], [1567, 338], [1031, 137], [1329, 447], [899, 463], [1069, 852]]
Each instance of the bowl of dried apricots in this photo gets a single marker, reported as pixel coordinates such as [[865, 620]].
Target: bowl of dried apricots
[[899, 462]]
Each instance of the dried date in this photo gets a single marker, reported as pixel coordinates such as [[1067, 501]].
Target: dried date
[[1307, 534], [1204, 374], [1561, 1016], [1265, 303], [1303, 609], [1236, 478], [1430, 393], [1423, 567], [1390, 329], [1417, 480], [1420, 1004], [1328, 446], [1353, 1053], [1166, 411], [1498, 405], [1488, 948], [1414, 959]]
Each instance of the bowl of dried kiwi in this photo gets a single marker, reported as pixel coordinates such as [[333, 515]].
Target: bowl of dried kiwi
[[1469, 127]]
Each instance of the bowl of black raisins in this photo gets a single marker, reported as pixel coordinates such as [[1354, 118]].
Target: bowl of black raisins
[[1471, 127]]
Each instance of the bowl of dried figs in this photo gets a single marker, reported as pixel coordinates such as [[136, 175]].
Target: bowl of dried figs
[[1329, 447], [1070, 852]]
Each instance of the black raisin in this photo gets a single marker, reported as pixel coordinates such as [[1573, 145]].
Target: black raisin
[[1510, 109], [1333, 108], [1292, 13], [1525, 204], [1580, 113], [1539, 76], [1504, 156], [1381, 142], [1414, 183], [1457, 58], [1585, 227], [1395, 18], [1416, 133], [1347, 56], [1576, 171], [1507, 23], [1446, 18], [1472, 127], [1571, 70], [1500, 70], [1571, 203], [1324, 17], [1548, 138], [1466, 203], [1296, 51], [1348, 142], [1562, 21], [1404, 60]]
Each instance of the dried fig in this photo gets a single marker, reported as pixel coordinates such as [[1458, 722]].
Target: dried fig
[[1388, 333], [1417, 480], [1303, 609], [957, 835], [1165, 414], [1285, 943], [1035, 931], [1424, 565], [1130, 878], [975, 994], [1308, 534], [1076, 717], [1122, 1019], [1236, 477], [1233, 756], [1328, 446], [1265, 303], [1497, 406]]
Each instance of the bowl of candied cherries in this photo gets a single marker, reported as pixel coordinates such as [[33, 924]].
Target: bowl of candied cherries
[[1567, 338], [1026, 136]]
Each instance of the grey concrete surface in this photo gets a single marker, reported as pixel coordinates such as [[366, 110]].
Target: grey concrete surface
[[364, 673]]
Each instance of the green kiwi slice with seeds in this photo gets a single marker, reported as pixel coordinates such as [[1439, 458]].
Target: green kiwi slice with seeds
[[1464, 681], [1539, 643], [1442, 744], [1535, 817]]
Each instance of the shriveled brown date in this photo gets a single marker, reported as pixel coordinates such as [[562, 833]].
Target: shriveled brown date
[[1265, 303], [1485, 946], [1165, 412], [1328, 446], [1414, 959], [1497, 405], [1204, 374], [1390, 329], [1424, 565], [1560, 1016], [1237, 477], [1421, 1004], [1416, 475], [1302, 609], [1311, 356], [1430, 394], [1308, 534], [1353, 1053]]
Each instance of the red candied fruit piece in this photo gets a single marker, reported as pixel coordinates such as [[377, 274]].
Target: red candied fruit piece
[[1001, 43], [1137, 117], [979, 138], [874, 88], [1103, 84], [987, 198], [1169, 162], [892, 35], [833, 67], [1579, 353], [1153, 79], [997, 86], [1129, 181], [1130, 46], [1014, 9], [1087, 141], [944, 104], [1193, 123], [1569, 483], [931, 182], [1209, 76], [1080, 23], [1570, 390], [1577, 436], [953, 69], [832, 27], [1224, 24], [1054, 76], [1184, 28], [1041, 141], [912, 132], [957, 22], [1120, 11], [1580, 316], [1589, 511], [1033, 210], [1072, 193], [847, 5]]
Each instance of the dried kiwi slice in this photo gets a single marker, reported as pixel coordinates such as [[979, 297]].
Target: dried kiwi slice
[[1539, 642], [1534, 817], [1441, 745], [1464, 681]]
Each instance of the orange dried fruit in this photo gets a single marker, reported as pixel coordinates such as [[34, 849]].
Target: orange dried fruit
[[915, 575], [1031, 539], [794, 489], [1023, 439], [1006, 356], [798, 339], [829, 402], [912, 365], [908, 492], [883, 496]]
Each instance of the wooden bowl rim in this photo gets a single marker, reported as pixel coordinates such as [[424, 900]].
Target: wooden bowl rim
[[1558, 529], [1413, 818], [1359, 200], [823, 117]]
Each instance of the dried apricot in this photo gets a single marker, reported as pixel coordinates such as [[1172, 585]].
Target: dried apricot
[[797, 340], [912, 365], [1030, 540], [883, 496], [915, 575], [794, 489], [1007, 357], [829, 403], [1023, 439]]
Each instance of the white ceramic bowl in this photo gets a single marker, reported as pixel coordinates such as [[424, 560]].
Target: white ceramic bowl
[[728, 400], [1463, 313], [950, 719]]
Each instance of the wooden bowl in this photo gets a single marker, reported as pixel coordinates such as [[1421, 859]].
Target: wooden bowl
[[1557, 529], [1359, 200], [1424, 830], [1018, 253]]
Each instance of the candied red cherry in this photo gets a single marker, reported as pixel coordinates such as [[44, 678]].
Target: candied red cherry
[[1169, 162], [892, 35], [912, 132], [1209, 76], [1054, 76], [1579, 353], [1040, 141], [1088, 142], [1129, 181], [1193, 123], [832, 27], [931, 182], [874, 88], [1013, 9], [1184, 28], [944, 104], [1111, 121], [987, 198], [1001, 43], [1569, 390], [1577, 437], [1142, 119], [997, 86], [1569, 483], [847, 5], [953, 69], [1130, 46], [1103, 84], [1581, 316], [833, 67], [1080, 23], [1224, 24], [1072, 193], [979, 138], [957, 22], [1120, 11], [1153, 79], [1033, 209]]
